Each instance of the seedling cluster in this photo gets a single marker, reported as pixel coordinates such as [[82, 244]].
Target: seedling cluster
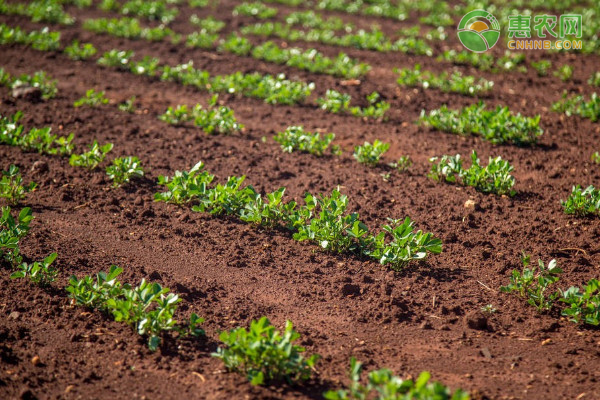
[[36, 139], [296, 138], [39, 80], [264, 354], [11, 186], [91, 158], [583, 202], [497, 126], [148, 308], [123, 169], [382, 384], [577, 105], [92, 98], [322, 219], [455, 82], [493, 178], [336, 102], [370, 154], [213, 120]]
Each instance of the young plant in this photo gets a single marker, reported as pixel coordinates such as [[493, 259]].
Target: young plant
[[296, 138], [403, 164], [176, 116], [532, 285], [497, 126], [375, 110], [185, 186], [41, 273], [564, 72], [152, 10], [596, 157], [128, 105], [77, 51], [116, 58], [493, 178], [583, 202], [577, 105], [595, 79], [264, 354], [92, 158], [123, 169], [257, 10], [208, 25], [11, 186], [11, 232], [148, 308], [542, 67], [334, 101], [38, 80], [92, 99], [382, 384], [405, 246], [202, 39], [266, 213], [324, 220], [370, 153], [456, 82], [583, 305], [216, 119]]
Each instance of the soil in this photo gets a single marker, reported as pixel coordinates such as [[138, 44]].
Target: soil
[[426, 317]]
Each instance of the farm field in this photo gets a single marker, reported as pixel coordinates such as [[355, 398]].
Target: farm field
[[444, 297]]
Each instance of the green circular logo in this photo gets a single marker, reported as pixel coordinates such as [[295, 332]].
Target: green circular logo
[[478, 31]]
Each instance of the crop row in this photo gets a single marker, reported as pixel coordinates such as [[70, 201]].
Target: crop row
[[262, 353]]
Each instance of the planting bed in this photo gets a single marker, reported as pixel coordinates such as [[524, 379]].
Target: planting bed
[[426, 317]]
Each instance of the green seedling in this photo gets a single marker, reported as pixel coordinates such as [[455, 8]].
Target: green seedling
[[77, 51], [39, 80], [43, 40], [493, 178], [488, 309], [267, 213], [497, 126], [147, 66], [577, 105], [185, 186], [41, 273], [92, 158], [583, 305], [208, 25], [202, 39], [583, 202], [128, 105], [564, 72], [370, 153], [123, 169], [148, 308], [382, 384], [596, 157], [264, 354], [542, 67], [152, 10], [375, 110], [334, 101], [257, 10], [216, 119], [296, 138], [403, 164], [455, 82], [92, 99], [176, 116], [405, 245], [11, 232], [595, 79], [532, 285], [11, 186], [116, 59]]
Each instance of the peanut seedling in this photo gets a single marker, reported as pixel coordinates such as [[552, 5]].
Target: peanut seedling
[[11, 186], [370, 153], [41, 273], [92, 158], [264, 354], [123, 169]]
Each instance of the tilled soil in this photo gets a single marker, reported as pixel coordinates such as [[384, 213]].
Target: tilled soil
[[426, 317]]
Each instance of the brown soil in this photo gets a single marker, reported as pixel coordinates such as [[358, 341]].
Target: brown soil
[[424, 318]]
